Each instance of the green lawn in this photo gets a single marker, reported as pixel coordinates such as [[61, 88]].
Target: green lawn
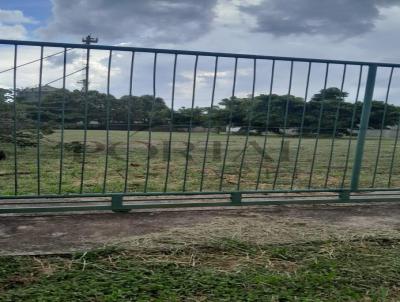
[[96, 154], [228, 270]]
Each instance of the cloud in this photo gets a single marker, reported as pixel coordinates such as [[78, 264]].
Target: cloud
[[157, 20], [14, 17], [12, 24], [73, 55], [341, 18], [13, 32]]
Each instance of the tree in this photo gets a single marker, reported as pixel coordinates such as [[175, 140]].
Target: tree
[[183, 116], [240, 112], [331, 93], [25, 127], [142, 109]]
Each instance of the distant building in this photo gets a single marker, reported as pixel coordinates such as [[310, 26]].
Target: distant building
[[233, 129], [389, 132], [289, 131]]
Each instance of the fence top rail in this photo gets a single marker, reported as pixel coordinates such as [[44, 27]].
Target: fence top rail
[[190, 52]]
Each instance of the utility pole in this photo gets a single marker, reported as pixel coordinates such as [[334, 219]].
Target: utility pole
[[87, 40]]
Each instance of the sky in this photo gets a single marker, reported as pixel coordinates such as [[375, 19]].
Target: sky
[[362, 30]]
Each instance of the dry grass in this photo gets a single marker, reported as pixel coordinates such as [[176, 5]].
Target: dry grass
[[252, 229]]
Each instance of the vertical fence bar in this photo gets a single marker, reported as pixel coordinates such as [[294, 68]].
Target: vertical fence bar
[[301, 126], [171, 124], [249, 116], [62, 122], [85, 118], [321, 109], [146, 182], [128, 132], [393, 155], [107, 122], [15, 120], [209, 123], [352, 126], [229, 126], [381, 130], [366, 110], [271, 84], [328, 170], [190, 123], [38, 124], [284, 126]]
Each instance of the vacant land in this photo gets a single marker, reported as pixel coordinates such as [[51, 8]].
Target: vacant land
[[229, 270], [95, 172], [294, 253]]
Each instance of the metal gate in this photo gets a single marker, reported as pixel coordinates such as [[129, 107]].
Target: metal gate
[[94, 127]]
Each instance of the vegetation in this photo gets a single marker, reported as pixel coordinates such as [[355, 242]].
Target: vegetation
[[254, 167], [228, 270], [144, 108], [50, 149], [365, 269], [26, 120]]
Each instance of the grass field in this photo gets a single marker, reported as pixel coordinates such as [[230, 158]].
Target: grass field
[[204, 268], [228, 270], [137, 166]]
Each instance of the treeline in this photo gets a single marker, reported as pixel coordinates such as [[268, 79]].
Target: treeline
[[327, 107]]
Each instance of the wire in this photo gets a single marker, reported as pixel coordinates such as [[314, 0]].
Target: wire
[[76, 71], [34, 61]]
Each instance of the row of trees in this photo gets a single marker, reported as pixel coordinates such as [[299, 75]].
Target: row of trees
[[240, 111]]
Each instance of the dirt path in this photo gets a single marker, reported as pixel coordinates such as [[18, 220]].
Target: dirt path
[[35, 234]]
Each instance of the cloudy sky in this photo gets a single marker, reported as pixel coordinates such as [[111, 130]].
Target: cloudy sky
[[362, 30]]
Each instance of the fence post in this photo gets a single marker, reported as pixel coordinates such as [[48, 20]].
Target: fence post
[[236, 198], [364, 121], [117, 204]]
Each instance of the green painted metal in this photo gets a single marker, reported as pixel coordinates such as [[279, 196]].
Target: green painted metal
[[321, 110], [171, 125], [285, 120], [127, 208], [249, 116], [190, 52], [128, 132], [229, 127], [393, 155], [364, 121], [271, 84], [378, 153], [62, 123], [85, 118], [237, 196], [209, 123], [38, 122], [108, 108], [15, 121], [334, 134], [344, 195], [190, 123], [346, 165], [301, 127], [146, 182], [117, 204]]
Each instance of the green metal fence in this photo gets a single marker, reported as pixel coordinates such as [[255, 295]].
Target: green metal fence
[[81, 148]]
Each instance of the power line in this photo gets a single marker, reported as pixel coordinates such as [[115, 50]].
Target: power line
[[87, 40], [76, 71], [37, 60]]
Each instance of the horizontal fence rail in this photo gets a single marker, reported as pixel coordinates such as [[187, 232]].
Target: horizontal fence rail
[[93, 121]]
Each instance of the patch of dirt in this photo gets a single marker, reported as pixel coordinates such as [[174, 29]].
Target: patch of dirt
[[48, 234]]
